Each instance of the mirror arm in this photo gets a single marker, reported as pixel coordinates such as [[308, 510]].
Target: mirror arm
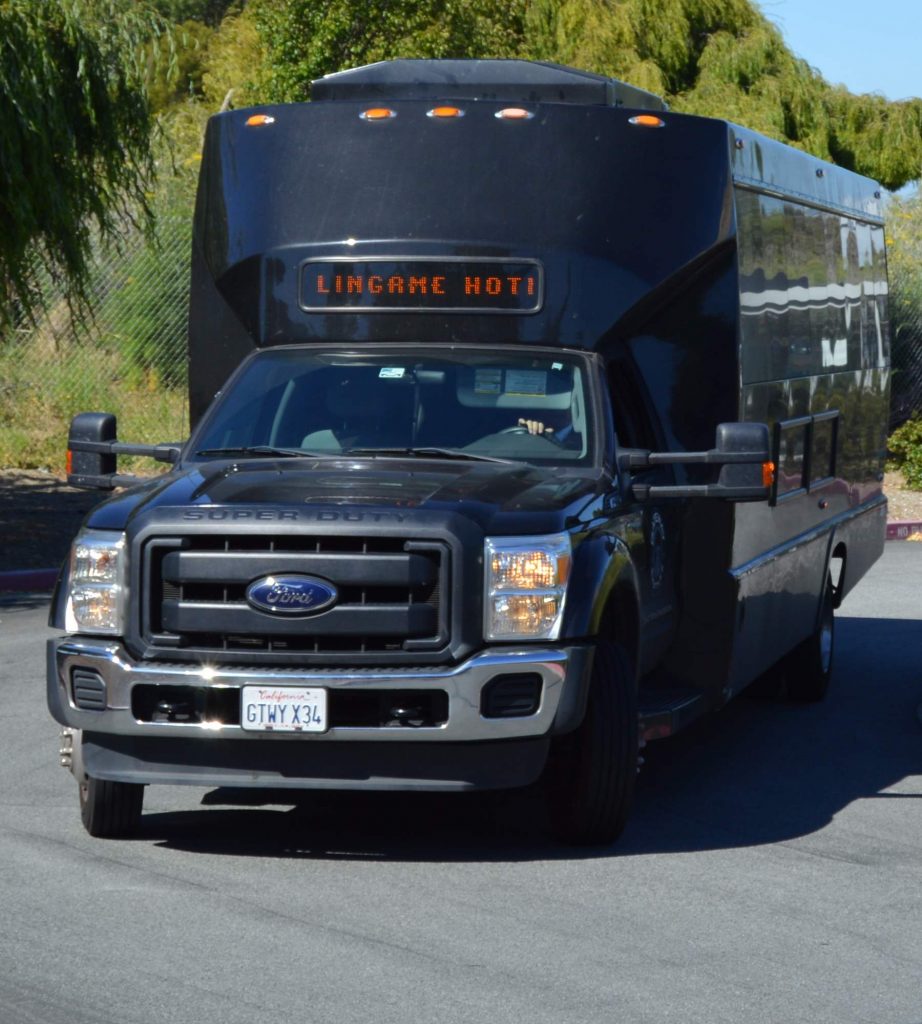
[[645, 492], [635, 458], [161, 452]]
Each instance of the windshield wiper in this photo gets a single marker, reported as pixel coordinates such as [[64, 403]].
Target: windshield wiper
[[267, 450], [427, 452]]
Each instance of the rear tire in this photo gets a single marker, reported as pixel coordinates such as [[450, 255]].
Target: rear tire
[[110, 810], [591, 772], [808, 668]]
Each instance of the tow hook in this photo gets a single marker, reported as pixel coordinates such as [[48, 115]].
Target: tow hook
[[174, 711], [66, 750], [413, 717]]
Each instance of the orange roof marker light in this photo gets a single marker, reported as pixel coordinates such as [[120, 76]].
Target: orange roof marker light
[[647, 121], [378, 114], [257, 120], [514, 114], [445, 112]]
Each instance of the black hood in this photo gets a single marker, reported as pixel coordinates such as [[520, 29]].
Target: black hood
[[507, 498]]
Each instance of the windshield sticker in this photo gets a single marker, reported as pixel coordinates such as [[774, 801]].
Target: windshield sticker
[[488, 382], [391, 372], [526, 382]]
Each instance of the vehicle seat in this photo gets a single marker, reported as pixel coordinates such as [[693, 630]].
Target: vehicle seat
[[365, 412]]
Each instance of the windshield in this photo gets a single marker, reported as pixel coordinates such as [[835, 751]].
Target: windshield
[[453, 403]]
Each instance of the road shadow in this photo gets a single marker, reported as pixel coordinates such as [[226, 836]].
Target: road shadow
[[24, 599], [422, 827], [765, 770], [760, 771]]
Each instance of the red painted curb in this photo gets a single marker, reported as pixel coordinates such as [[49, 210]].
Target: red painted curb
[[28, 579], [903, 530]]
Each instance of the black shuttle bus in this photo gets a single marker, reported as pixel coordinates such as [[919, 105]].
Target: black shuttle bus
[[531, 421]]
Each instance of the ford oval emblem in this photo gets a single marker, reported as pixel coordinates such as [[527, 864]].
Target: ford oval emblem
[[290, 595]]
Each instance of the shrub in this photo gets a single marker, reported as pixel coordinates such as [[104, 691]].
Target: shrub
[[905, 446]]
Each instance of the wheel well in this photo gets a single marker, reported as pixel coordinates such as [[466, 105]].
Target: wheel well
[[837, 565], [620, 622]]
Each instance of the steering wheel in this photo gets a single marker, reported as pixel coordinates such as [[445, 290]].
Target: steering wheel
[[519, 431]]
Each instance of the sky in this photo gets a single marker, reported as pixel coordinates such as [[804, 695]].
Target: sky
[[866, 45]]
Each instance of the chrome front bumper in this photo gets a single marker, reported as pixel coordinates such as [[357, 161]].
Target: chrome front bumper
[[564, 673]]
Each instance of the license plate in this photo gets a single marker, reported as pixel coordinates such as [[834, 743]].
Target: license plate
[[283, 709]]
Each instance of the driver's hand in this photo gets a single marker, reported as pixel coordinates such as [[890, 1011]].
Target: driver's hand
[[535, 427]]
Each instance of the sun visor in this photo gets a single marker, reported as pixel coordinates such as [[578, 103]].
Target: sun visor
[[492, 387]]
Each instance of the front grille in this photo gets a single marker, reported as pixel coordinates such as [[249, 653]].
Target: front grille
[[391, 595]]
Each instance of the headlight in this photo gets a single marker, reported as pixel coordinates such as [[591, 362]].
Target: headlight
[[525, 586], [97, 583]]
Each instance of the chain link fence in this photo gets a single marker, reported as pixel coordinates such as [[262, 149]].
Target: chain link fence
[[130, 359]]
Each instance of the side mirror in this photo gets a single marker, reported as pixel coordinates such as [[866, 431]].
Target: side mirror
[[742, 452], [92, 448], [89, 462], [752, 479]]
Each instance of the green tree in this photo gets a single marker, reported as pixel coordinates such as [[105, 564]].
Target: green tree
[[208, 11], [234, 62], [75, 139], [306, 39], [904, 259], [175, 65]]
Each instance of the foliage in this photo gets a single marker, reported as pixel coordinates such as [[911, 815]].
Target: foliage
[[210, 12], [40, 392], [306, 39], [175, 65], [75, 130], [144, 316], [904, 258], [233, 63], [905, 446], [878, 138], [144, 297]]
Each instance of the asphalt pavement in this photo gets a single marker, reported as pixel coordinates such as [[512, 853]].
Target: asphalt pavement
[[772, 872]]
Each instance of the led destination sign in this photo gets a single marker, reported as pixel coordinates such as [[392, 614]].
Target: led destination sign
[[421, 285]]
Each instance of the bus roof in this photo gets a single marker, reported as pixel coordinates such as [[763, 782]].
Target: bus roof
[[508, 81]]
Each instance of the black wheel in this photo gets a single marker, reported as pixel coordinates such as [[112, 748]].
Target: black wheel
[[591, 772], [110, 809], [808, 667]]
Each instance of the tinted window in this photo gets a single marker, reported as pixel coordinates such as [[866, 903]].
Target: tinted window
[[503, 404]]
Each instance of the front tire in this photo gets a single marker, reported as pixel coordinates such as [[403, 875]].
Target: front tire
[[110, 810], [591, 772], [808, 667]]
